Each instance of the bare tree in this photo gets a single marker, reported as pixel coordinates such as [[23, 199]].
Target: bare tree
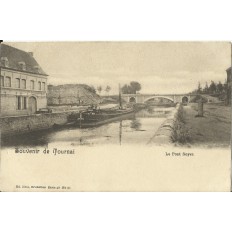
[[108, 88], [99, 89]]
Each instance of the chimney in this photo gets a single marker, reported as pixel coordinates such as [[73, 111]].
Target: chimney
[[30, 53]]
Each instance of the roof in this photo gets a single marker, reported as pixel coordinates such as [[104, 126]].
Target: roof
[[15, 56]]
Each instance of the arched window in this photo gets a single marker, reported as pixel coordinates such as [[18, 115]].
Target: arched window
[[39, 83], [32, 84], [2, 80], [17, 83], [7, 82], [44, 86], [23, 84]]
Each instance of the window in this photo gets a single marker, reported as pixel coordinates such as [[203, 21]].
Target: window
[[23, 84], [39, 85], [24, 103], [17, 83], [2, 80], [18, 103], [4, 62], [32, 85], [43, 84], [7, 82], [36, 69], [22, 65], [21, 103]]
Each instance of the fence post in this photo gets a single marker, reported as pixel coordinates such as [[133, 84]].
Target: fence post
[[200, 108]]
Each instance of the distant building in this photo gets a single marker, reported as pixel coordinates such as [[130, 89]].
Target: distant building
[[229, 85], [23, 85]]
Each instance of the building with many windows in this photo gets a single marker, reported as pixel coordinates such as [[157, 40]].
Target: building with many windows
[[23, 87]]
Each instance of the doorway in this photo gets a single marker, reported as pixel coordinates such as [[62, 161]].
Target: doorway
[[32, 105]]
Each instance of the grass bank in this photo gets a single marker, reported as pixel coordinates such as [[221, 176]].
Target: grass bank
[[212, 130]]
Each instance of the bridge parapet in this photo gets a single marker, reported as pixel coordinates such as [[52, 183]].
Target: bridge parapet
[[142, 98]]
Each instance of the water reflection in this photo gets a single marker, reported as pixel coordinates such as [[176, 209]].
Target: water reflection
[[143, 124], [150, 110], [154, 112], [28, 140], [120, 132], [136, 124]]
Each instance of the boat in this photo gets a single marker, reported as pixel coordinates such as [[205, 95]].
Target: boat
[[95, 117], [61, 126]]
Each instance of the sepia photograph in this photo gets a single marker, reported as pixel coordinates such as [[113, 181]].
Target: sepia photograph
[[86, 94], [67, 99]]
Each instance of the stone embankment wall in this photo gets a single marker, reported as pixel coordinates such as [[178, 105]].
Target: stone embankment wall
[[167, 132], [25, 124]]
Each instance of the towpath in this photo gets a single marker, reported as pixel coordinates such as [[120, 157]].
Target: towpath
[[212, 130]]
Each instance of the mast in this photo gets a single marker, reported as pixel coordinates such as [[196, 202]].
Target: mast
[[59, 97], [120, 97], [120, 132], [78, 97]]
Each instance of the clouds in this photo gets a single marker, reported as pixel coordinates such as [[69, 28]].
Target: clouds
[[161, 67]]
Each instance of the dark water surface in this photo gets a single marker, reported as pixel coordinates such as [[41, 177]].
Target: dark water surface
[[136, 129]]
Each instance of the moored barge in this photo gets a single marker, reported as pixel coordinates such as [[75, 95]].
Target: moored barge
[[93, 118]]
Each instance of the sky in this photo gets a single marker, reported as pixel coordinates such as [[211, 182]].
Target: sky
[[160, 67]]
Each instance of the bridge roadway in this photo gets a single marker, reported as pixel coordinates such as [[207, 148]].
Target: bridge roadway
[[143, 98]]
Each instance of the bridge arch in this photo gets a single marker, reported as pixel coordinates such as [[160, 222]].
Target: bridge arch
[[132, 99], [155, 97], [185, 99]]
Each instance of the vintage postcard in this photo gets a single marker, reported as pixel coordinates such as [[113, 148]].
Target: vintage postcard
[[115, 116]]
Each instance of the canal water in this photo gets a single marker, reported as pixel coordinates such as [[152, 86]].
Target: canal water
[[136, 129]]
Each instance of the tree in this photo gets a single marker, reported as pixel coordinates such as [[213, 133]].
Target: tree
[[206, 89], [220, 87], [99, 89], [199, 89], [92, 89], [212, 87], [124, 89], [225, 86], [135, 86], [108, 88], [132, 88]]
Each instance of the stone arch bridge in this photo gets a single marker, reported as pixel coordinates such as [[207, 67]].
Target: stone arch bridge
[[143, 98]]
